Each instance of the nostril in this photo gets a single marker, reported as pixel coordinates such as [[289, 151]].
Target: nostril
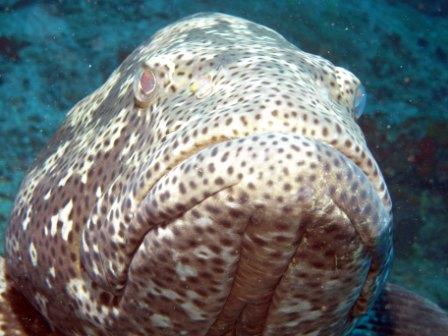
[[360, 100]]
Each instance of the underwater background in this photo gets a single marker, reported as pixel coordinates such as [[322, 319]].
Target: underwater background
[[53, 53]]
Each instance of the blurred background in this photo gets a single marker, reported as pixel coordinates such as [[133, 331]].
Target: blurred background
[[53, 53]]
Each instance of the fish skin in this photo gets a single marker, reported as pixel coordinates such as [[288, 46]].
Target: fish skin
[[237, 195]]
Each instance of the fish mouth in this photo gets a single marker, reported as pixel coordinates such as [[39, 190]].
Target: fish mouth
[[237, 211], [271, 193], [200, 170], [157, 206]]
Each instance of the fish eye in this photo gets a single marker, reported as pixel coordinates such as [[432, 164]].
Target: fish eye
[[144, 86], [359, 102]]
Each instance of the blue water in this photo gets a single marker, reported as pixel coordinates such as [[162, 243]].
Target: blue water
[[53, 53]]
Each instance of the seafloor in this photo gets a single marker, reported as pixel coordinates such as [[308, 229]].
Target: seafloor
[[53, 53]]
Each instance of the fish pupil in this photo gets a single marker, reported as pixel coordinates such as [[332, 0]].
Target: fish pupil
[[147, 82]]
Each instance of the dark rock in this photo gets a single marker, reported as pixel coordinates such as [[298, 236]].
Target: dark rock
[[422, 42], [10, 48], [441, 54]]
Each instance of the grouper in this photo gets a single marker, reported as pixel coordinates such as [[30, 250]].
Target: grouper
[[216, 184]]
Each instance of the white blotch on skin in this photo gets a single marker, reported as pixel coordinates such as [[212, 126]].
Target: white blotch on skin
[[42, 303], [161, 321], [75, 290], [67, 224], [85, 247], [299, 306], [47, 195], [63, 181], [27, 219], [132, 140], [53, 225], [2, 276], [158, 291], [165, 232], [203, 252], [96, 270], [125, 87], [183, 271], [204, 222], [63, 216], [15, 247], [233, 205], [33, 254], [193, 312], [99, 192], [86, 168], [306, 316], [111, 268]]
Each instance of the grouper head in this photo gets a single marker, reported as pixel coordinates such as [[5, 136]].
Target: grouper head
[[216, 184]]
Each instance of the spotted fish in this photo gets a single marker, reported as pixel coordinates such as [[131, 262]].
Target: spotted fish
[[216, 184]]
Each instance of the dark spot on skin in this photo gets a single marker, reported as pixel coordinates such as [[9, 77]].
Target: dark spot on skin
[[338, 129]]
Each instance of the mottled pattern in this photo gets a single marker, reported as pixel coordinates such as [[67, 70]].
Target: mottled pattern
[[236, 198]]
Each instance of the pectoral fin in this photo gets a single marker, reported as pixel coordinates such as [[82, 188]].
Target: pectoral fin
[[17, 316], [399, 312]]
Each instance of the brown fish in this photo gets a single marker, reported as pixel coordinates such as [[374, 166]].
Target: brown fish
[[216, 184]]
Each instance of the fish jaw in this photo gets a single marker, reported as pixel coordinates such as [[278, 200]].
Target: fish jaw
[[285, 230]]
